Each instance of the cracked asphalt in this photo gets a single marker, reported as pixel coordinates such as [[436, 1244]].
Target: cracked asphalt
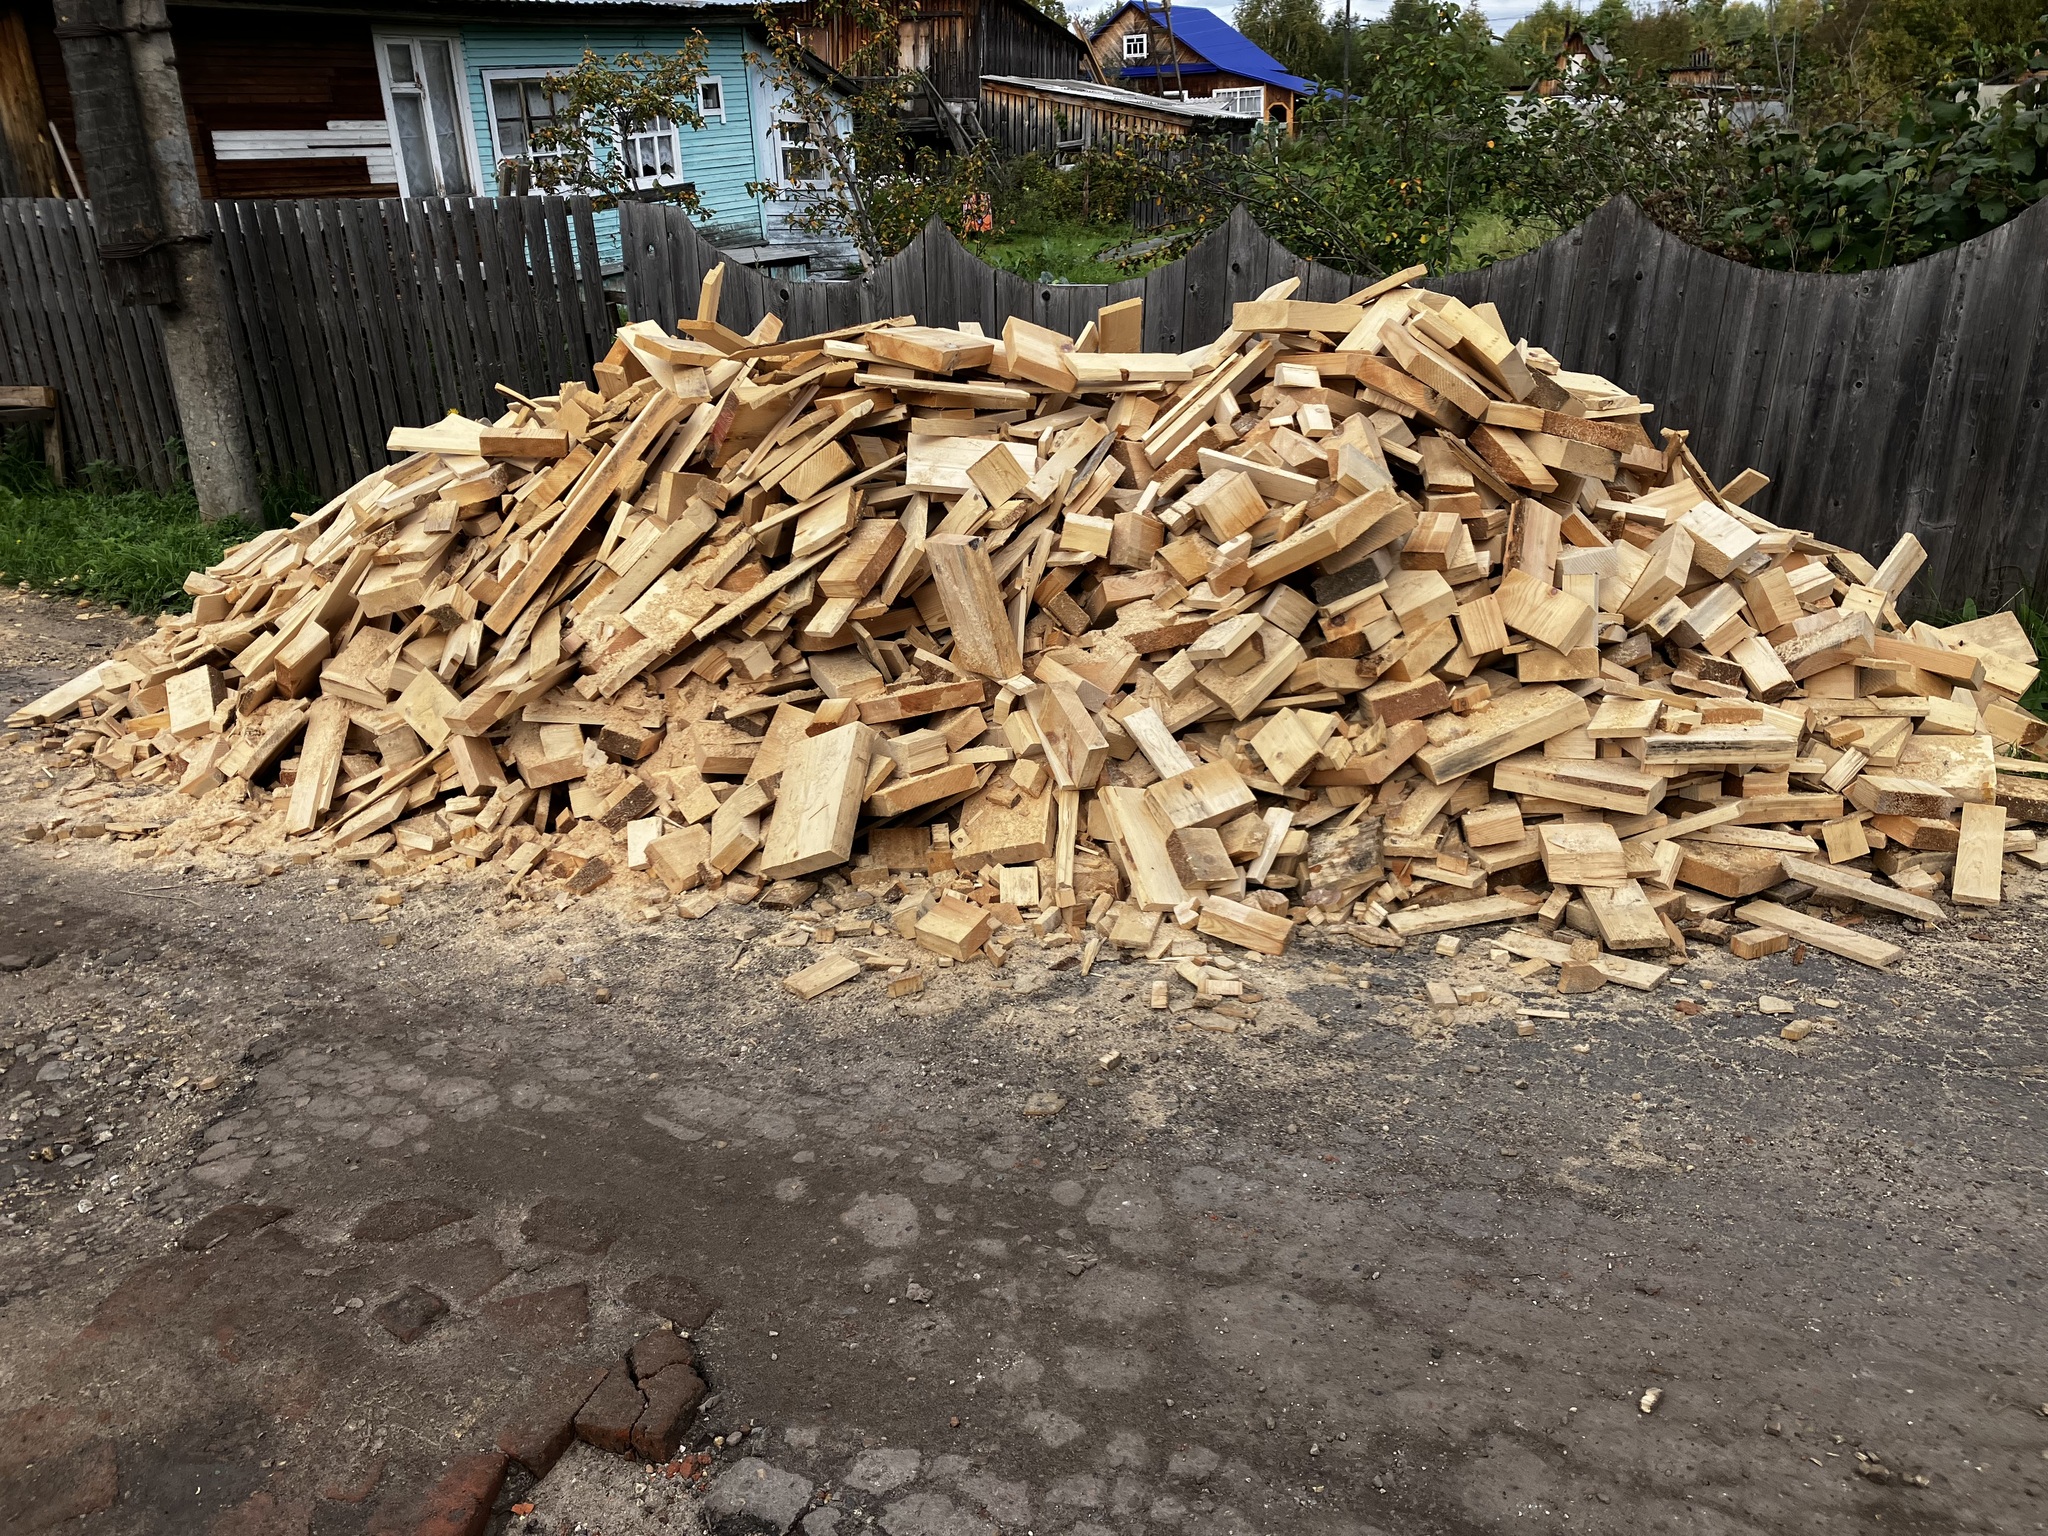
[[1354, 1267]]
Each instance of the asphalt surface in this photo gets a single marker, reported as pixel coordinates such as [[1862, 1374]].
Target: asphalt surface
[[1355, 1266]]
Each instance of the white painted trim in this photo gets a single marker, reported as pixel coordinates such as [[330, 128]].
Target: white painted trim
[[723, 99], [369, 142], [465, 125]]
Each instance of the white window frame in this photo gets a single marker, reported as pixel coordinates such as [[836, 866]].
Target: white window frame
[[499, 154], [1140, 53], [705, 112], [674, 132], [1232, 99], [464, 125], [782, 148]]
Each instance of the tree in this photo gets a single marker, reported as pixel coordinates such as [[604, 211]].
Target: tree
[[1293, 31], [844, 151], [617, 124]]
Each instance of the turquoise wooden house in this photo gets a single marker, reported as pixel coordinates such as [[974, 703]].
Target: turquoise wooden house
[[424, 98], [747, 136]]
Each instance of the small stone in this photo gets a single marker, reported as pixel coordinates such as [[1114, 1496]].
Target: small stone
[[602, 995], [229, 1221], [396, 1220], [1797, 1030], [752, 1497], [411, 1313]]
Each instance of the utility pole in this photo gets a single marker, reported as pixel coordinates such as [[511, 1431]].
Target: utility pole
[[150, 224], [1180, 86], [1347, 63]]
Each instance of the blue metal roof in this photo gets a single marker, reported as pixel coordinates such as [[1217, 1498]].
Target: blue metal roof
[[1216, 40]]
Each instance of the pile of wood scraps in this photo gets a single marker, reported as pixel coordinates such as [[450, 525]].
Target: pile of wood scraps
[[1362, 617]]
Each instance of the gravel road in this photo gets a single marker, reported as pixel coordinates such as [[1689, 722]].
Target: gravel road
[[308, 1200]]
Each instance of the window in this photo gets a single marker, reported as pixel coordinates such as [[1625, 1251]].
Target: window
[[802, 160], [1243, 101], [519, 106], [652, 152], [1136, 46], [429, 122], [711, 98]]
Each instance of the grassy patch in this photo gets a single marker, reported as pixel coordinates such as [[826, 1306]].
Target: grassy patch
[[1487, 236], [1065, 253], [103, 542]]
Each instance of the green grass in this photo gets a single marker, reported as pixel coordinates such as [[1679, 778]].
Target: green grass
[[1487, 236], [102, 541], [1068, 254]]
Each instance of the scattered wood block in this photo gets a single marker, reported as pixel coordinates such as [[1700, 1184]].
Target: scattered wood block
[[1755, 943], [954, 928], [1980, 857], [822, 976], [1836, 940]]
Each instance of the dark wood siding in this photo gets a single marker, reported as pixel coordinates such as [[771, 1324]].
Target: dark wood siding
[[1026, 121], [1017, 39], [247, 70], [956, 42], [250, 69]]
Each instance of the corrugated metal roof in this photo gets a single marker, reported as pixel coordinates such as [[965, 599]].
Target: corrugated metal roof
[[1117, 96]]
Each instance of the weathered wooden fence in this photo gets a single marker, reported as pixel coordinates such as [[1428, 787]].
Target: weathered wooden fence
[[349, 316], [940, 281], [1908, 400], [1913, 399], [59, 326]]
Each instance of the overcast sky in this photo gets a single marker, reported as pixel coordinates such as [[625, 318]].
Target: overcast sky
[[1501, 13]]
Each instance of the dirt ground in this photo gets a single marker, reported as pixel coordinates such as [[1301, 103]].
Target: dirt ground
[[1352, 1268]]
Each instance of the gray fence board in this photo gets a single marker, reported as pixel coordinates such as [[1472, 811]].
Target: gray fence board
[[1908, 400], [1914, 399], [348, 316]]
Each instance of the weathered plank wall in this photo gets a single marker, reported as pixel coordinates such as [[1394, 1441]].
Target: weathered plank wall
[[60, 326], [349, 316], [1908, 400], [942, 283]]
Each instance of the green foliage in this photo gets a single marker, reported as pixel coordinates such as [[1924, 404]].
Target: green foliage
[[589, 145], [1067, 255], [101, 542], [854, 157], [1293, 31], [1375, 182], [1851, 197]]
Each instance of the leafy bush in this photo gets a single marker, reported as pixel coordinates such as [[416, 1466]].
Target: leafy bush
[[1851, 197]]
